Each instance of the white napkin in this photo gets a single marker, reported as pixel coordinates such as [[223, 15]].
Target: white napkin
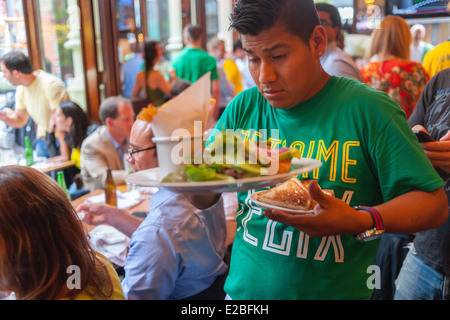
[[183, 111], [110, 242], [125, 200]]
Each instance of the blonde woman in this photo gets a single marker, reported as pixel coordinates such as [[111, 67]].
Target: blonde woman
[[390, 68]]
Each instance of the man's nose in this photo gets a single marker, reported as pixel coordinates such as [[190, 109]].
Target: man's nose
[[267, 73]]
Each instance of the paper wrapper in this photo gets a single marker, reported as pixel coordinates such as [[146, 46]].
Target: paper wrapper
[[185, 111], [179, 124]]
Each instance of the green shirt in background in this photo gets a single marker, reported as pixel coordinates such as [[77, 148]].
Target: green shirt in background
[[192, 63], [369, 155]]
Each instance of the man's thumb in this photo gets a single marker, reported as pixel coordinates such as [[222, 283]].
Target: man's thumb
[[316, 192]]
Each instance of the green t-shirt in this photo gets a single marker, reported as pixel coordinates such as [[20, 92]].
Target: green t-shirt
[[192, 63], [364, 141]]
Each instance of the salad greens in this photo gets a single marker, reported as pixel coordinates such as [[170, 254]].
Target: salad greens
[[230, 157]]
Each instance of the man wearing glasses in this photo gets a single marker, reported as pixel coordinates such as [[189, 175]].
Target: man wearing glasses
[[334, 60], [177, 251]]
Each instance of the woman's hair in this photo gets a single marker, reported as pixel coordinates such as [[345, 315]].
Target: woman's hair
[[150, 53], [40, 237], [393, 37], [80, 122], [253, 16]]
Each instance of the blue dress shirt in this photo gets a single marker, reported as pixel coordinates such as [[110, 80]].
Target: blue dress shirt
[[177, 251]]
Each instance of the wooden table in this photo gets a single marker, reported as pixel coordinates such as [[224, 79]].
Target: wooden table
[[144, 206], [48, 167]]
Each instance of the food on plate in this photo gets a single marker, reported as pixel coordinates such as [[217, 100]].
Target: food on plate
[[292, 194], [147, 113], [230, 157]]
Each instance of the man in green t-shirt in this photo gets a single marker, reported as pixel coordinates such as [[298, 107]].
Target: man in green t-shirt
[[192, 62], [370, 158]]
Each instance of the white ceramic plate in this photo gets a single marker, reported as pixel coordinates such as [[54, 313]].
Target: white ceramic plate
[[272, 207], [151, 178]]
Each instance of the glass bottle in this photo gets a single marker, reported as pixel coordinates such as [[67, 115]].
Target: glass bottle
[[62, 183], [110, 189], [29, 160]]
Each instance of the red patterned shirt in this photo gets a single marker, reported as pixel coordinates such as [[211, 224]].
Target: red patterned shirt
[[402, 80]]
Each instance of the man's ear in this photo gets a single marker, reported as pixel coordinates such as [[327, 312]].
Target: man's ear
[[109, 122], [318, 41], [15, 74]]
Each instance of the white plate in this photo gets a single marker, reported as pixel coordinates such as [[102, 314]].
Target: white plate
[[151, 178], [272, 207]]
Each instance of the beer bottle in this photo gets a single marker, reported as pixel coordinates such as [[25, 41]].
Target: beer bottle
[[62, 183], [29, 160], [110, 189]]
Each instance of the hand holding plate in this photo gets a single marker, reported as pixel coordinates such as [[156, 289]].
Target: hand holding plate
[[331, 216]]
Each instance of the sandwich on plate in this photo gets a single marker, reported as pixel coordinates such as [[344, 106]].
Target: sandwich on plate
[[291, 194]]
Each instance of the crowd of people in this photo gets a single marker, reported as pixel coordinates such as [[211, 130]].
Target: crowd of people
[[287, 72]]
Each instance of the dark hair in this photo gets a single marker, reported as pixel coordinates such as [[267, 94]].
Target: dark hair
[[237, 44], [40, 237], [150, 53], [253, 16], [193, 31], [109, 107], [80, 122], [179, 86], [16, 60], [335, 17]]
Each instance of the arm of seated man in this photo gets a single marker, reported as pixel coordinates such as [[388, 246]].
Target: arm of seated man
[[96, 214]]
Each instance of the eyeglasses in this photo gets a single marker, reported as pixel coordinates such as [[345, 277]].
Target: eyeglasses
[[131, 150], [325, 23]]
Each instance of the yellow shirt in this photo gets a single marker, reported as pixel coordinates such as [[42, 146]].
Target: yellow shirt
[[40, 98], [437, 59], [234, 75], [117, 286], [75, 156]]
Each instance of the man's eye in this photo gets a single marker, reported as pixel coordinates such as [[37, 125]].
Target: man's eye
[[281, 56]]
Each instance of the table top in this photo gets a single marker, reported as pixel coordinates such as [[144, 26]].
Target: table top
[[144, 206], [46, 167]]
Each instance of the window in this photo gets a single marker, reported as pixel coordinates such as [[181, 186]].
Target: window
[[12, 37], [61, 44]]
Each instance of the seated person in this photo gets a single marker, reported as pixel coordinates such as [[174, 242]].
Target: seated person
[[106, 147], [38, 258], [178, 251], [71, 126], [151, 81]]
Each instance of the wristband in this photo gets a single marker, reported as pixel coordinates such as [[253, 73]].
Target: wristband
[[378, 227], [376, 217]]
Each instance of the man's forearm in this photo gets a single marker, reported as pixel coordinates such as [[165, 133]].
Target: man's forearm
[[415, 211], [124, 222], [12, 118]]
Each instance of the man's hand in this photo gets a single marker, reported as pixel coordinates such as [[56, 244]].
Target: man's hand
[[4, 114], [438, 152], [96, 214], [331, 216], [14, 118]]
